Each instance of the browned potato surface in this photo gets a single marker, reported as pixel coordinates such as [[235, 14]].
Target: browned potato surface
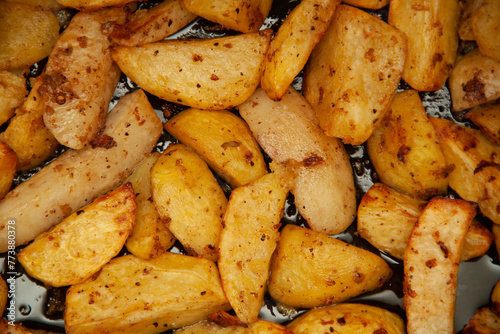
[[468, 7], [92, 5], [3, 294], [485, 22], [484, 321], [487, 118], [51, 5], [371, 4], [12, 94], [8, 162], [495, 229], [258, 327], [351, 99], [16, 328]]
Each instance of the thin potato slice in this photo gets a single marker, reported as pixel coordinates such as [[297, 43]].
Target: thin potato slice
[[12, 94], [258, 327], [223, 140], [241, 15], [8, 162], [351, 99], [431, 263], [294, 42], [485, 22], [189, 200], [131, 295], [324, 187], [157, 23], [311, 269], [487, 118], [431, 28], [465, 23], [80, 245], [248, 241], [150, 236], [208, 74], [348, 319]]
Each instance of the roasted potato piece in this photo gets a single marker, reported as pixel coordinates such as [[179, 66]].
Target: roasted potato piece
[[80, 78], [223, 140], [311, 269], [485, 22], [465, 23], [147, 26], [80, 245], [431, 263], [189, 200], [75, 178], [431, 28], [8, 327], [404, 149], [3, 295], [350, 100], [371, 4], [258, 327], [324, 187], [474, 81], [487, 119], [12, 94], [495, 229], [248, 241], [386, 218], [131, 295], [51, 5], [348, 318], [8, 162], [293, 43], [150, 236], [198, 73], [240, 15], [27, 36], [484, 321], [92, 5]]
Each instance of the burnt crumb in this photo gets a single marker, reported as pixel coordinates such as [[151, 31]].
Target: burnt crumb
[[474, 89], [403, 152], [313, 160], [103, 140], [443, 248]]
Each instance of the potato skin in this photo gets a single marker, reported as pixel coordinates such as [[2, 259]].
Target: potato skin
[[485, 27], [487, 119]]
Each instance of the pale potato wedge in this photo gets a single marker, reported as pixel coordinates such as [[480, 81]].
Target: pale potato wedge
[[81, 244], [258, 327], [150, 236], [8, 163], [241, 15], [487, 119], [211, 74], [465, 23], [431, 28], [348, 319], [485, 22], [404, 149], [371, 4], [75, 178], [293, 43], [223, 140], [484, 321], [311, 269], [80, 78], [351, 99], [189, 200], [431, 263], [248, 241], [28, 34], [92, 5], [474, 81], [387, 216], [152, 25], [127, 296], [12, 94], [324, 186]]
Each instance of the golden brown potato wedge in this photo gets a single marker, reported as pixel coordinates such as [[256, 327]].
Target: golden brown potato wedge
[[293, 43], [324, 187], [258, 327], [371, 4], [487, 118], [12, 94], [431, 263], [198, 73], [474, 81], [92, 5], [465, 23], [311, 269], [150, 236], [495, 294], [495, 229], [431, 28], [484, 321], [80, 78], [8, 162], [350, 100], [248, 241], [127, 296], [189, 200], [28, 34], [485, 22], [152, 25], [51, 5], [80, 245], [223, 140], [240, 15], [404, 149], [348, 319]]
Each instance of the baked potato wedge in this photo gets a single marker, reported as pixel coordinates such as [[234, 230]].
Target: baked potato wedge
[[312, 269], [189, 200], [371, 4], [3, 294], [468, 7], [81, 244], [8, 163], [16, 328], [485, 22], [240, 15], [12, 94], [93, 5], [431, 263], [127, 297], [484, 321], [258, 327], [404, 149], [487, 119], [495, 229], [350, 100], [223, 140], [150, 236], [198, 73], [293, 43], [431, 28]]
